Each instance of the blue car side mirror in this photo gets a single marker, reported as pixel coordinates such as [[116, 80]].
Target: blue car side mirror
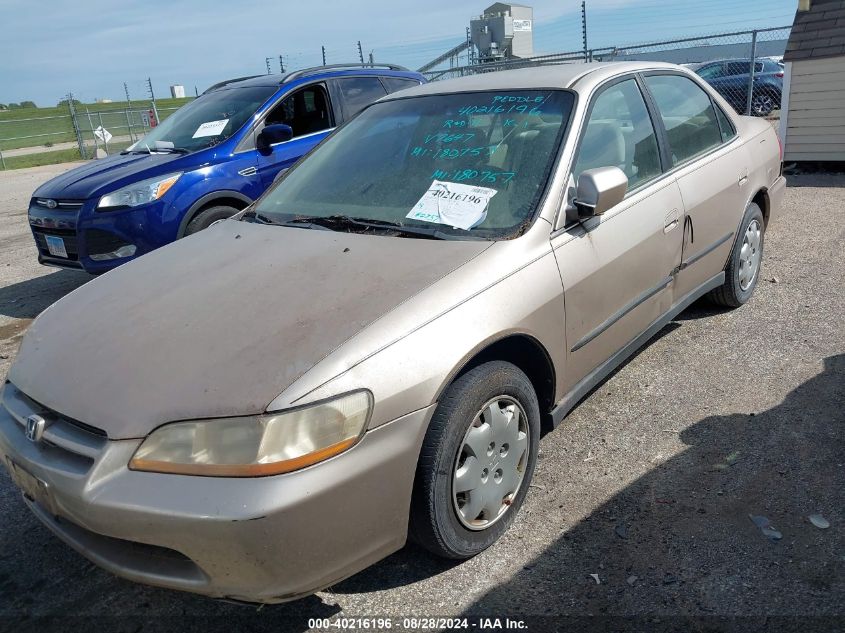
[[272, 134]]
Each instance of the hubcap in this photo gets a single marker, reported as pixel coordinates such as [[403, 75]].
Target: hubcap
[[750, 255], [490, 464]]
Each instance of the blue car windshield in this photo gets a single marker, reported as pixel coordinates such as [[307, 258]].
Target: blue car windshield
[[466, 165], [206, 121]]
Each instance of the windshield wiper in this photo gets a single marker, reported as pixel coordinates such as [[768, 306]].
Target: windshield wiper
[[260, 218], [346, 222]]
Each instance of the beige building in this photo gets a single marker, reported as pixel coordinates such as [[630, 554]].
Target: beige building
[[812, 124]]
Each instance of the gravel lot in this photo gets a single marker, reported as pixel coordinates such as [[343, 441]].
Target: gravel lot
[[641, 500]]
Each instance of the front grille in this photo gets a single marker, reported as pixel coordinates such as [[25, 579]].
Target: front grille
[[70, 445], [68, 235], [65, 205]]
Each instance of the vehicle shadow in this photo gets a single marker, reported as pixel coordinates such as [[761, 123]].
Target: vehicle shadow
[[27, 299], [678, 542]]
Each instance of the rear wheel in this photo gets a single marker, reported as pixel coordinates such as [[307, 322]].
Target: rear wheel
[[743, 269], [477, 461], [763, 104], [209, 216]]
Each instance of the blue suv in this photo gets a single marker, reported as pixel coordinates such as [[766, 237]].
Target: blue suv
[[207, 161]]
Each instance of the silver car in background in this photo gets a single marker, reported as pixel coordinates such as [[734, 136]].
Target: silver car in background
[[372, 349]]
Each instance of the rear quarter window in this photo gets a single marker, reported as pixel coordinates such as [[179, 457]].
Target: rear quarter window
[[395, 84]]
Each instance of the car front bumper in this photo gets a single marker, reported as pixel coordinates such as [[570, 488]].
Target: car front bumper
[[98, 241], [266, 539]]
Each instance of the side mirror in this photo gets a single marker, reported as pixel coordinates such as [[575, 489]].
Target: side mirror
[[272, 134], [599, 190]]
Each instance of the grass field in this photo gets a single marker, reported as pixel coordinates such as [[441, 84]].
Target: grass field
[[43, 158], [33, 127]]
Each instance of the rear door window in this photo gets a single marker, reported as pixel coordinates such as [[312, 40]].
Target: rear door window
[[713, 71], [359, 92], [687, 114], [741, 68]]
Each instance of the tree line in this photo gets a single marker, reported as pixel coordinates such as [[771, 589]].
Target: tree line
[[31, 104]]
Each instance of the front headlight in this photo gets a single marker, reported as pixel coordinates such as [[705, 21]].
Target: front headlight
[[267, 444], [139, 192]]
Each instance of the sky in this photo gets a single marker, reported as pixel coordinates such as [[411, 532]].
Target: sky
[[91, 47]]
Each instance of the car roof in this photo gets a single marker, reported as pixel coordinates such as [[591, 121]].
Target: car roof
[[537, 77], [277, 79]]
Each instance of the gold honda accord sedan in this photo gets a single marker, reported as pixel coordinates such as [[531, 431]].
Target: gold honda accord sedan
[[369, 352]]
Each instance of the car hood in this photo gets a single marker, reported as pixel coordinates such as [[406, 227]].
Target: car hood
[[97, 177], [218, 324]]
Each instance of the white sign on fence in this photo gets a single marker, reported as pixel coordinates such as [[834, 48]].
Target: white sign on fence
[[103, 134]]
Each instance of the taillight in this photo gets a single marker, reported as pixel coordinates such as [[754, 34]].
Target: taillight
[[779, 75]]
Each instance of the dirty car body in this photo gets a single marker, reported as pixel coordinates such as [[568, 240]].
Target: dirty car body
[[264, 403]]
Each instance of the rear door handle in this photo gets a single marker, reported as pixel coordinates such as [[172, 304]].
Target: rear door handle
[[743, 178], [671, 220]]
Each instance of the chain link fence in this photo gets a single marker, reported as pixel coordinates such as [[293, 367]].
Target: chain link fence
[[742, 66], [73, 131], [109, 130]]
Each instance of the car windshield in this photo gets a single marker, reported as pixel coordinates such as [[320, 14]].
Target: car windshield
[[206, 121], [467, 165]]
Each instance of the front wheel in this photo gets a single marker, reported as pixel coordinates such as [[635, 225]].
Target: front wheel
[[476, 462], [207, 217], [743, 268]]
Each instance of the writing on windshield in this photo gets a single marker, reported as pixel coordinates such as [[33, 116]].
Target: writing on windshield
[[382, 164]]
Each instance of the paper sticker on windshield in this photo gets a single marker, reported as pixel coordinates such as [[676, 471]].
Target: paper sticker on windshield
[[210, 128], [459, 206]]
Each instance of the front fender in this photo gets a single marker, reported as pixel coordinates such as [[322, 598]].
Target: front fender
[[411, 372]]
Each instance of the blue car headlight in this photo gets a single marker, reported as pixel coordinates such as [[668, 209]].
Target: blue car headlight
[[138, 193]]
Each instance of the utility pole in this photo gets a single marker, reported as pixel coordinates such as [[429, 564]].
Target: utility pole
[[75, 123], [153, 99], [372, 63], [324, 54], [281, 64], [267, 62], [128, 112], [584, 27], [360, 53]]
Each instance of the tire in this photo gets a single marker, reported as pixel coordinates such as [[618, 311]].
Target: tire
[[207, 217], [763, 103], [747, 253], [441, 519]]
